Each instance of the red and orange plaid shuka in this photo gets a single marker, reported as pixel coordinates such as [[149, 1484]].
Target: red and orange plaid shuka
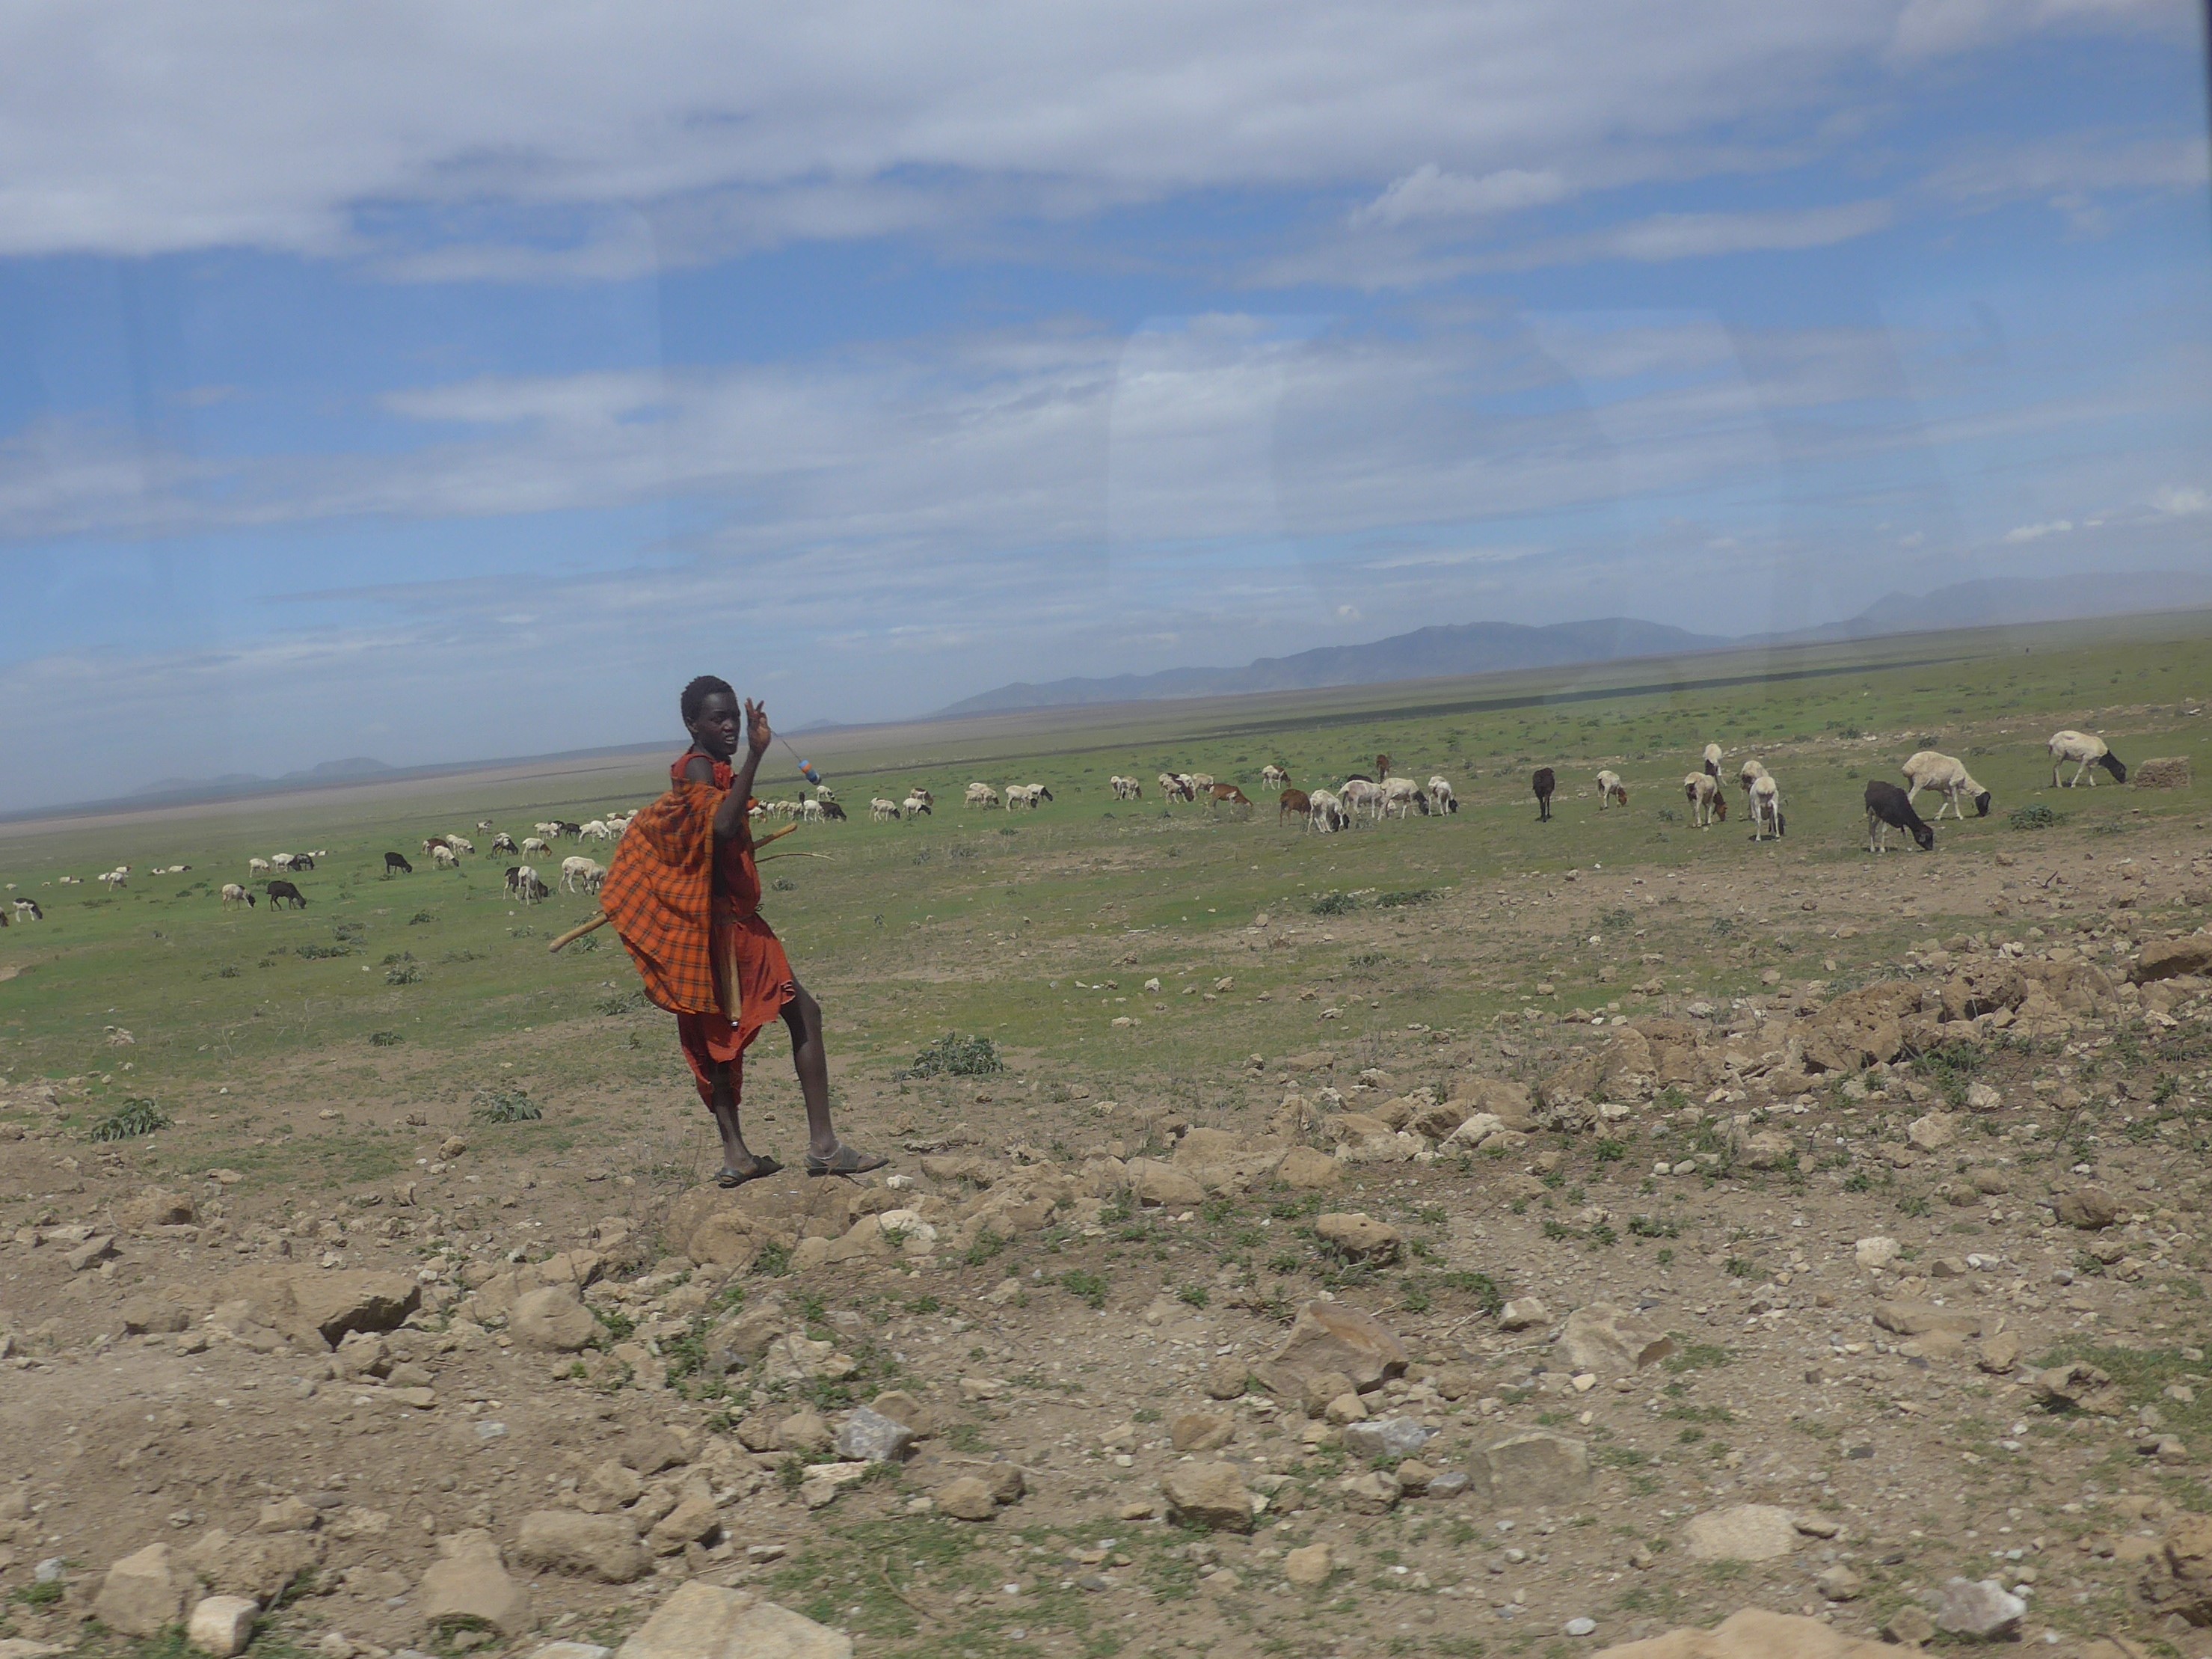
[[688, 914]]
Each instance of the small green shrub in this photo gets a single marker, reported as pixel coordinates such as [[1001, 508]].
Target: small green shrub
[[953, 1055], [512, 1105], [1333, 904], [133, 1118], [2037, 816], [385, 1039], [403, 973]]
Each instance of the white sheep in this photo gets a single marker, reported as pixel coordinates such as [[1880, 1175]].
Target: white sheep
[[914, 806], [445, 858], [980, 794], [1325, 812], [1926, 769], [2085, 752], [233, 895], [1707, 805], [1611, 789], [1441, 798], [1274, 776], [1751, 772], [1765, 806], [881, 811], [537, 847], [1362, 795], [257, 867], [460, 844], [1712, 760], [1402, 796]]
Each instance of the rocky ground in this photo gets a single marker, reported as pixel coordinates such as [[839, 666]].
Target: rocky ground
[[1556, 1334]]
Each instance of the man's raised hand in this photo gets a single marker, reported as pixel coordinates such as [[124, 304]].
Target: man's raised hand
[[756, 732]]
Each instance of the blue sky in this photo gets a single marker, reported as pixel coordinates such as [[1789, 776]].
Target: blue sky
[[438, 383]]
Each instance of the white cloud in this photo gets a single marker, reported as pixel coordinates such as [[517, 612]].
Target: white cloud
[[1931, 28], [1701, 235], [1429, 193], [2182, 501], [2036, 532]]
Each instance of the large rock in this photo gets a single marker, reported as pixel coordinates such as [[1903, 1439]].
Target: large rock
[[144, 1315], [263, 1568], [1360, 1238], [1982, 1610], [553, 1320], [1309, 1170], [1860, 1028], [221, 1626], [1612, 1340], [467, 1588], [307, 1303], [1510, 1103], [1387, 1437], [143, 1594], [1742, 1532], [1538, 1468], [705, 1621], [601, 1546], [2168, 958], [1209, 1495], [2088, 1208], [2179, 1578], [2162, 772], [1933, 1133], [966, 1498], [156, 1208], [1221, 1162], [1155, 1182], [1755, 1633], [2077, 1386], [1983, 988], [868, 1436], [1331, 1336]]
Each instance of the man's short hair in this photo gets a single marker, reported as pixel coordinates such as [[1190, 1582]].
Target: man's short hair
[[695, 694]]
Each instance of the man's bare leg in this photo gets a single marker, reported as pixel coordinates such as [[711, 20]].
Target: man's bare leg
[[736, 1154], [810, 1059]]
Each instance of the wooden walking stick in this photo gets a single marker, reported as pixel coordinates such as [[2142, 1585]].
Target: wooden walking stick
[[600, 920]]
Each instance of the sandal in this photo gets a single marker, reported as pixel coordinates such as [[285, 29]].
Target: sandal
[[845, 1161], [726, 1177]]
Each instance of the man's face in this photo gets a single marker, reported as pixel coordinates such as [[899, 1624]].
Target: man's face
[[720, 726]]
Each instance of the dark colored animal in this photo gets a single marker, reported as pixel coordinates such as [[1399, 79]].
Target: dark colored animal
[[1545, 783], [503, 842], [833, 812], [280, 891], [568, 828], [30, 908], [1295, 803], [432, 842], [1382, 768], [514, 877], [301, 861], [1888, 808], [396, 861]]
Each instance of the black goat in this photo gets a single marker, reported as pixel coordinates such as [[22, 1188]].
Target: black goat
[[1888, 807], [280, 891], [397, 861], [1545, 783]]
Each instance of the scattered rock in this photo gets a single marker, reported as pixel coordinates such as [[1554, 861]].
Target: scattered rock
[[804, 1431], [966, 1499], [95, 1250], [1308, 1170], [1999, 1353], [144, 1315], [2077, 1386], [1360, 1238], [2162, 772], [2088, 1208], [1209, 1495], [1908, 1318], [1753, 1633], [1331, 1336], [601, 1546], [552, 1319], [1910, 1626], [1876, 1252], [1310, 1568], [1839, 1583], [2169, 959], [468, 1588], [1612, 1341], [2177, 1579], [1522, 1313], [1375, 1492], [870, 1437], [1932, 1133], [706, 1621], [1225, 1379], [1317, 1391], [1742, 1532], [1387, 1437], [902, 1408], [1536, 1467], [1984, 1610], [221, 1625], [1155, 1182], [143, 1594], [1198, 1432]]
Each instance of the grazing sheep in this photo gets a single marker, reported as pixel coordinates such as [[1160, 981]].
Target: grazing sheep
[[114, 878], [1708, 806], [535, 847], [460, 844], [1293, 803], [1361, 795], [300, 861], [1200, 781], [831, 809], [881, 811], [596, 831], [2085, 752], [1126, 788], [980, 794], [503, 842], [235, 896], [394, 861], [809, 810], [1712, 760], [1401, 796], [914, 806], [27, 909], [1928, 770], [281, 860], [1272, 776], [1751, 772], [1441, 798], [1611, 788], [1766, 797], [257, 867], [523, 884], [1888, 807], [922, 795], [444, 858], [279, 891], [1544, 783], [1326, 814], [550, 830], [431, 843], [574, 870]]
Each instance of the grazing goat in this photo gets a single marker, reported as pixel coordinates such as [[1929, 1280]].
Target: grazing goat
[[1326, 815], [1382, 768], [980, 794], [881, 811], [503, 842], [831, 809], [1126, 788], [1361, 795], [576, 872], [431, 843], [27, 909], [1293, 803], [1712, 760], [300, 861], [1888, 808], [535, 847], [257, 867], [1928, 770], [1200, 781], [1750, 773], [914, 806], [1441, 798], [1544, 783], [233, 896], [523, 884], [1171, 786], [2085, 751], [279, 891], [1766, 797], [550, 830], [810, 810], [1402, 796], [460, 844], [444, 858], [117, 877], [1227, 794], [281, 861], [396, 861], [483, 823], [1708, 806], [596, 829], [1272, 776], [1611, 788]]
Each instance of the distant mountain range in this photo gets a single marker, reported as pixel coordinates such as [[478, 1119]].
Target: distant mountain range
[[1487, 647], [336, 771]]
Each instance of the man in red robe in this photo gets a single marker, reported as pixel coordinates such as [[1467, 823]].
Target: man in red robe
[[683, 892]]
